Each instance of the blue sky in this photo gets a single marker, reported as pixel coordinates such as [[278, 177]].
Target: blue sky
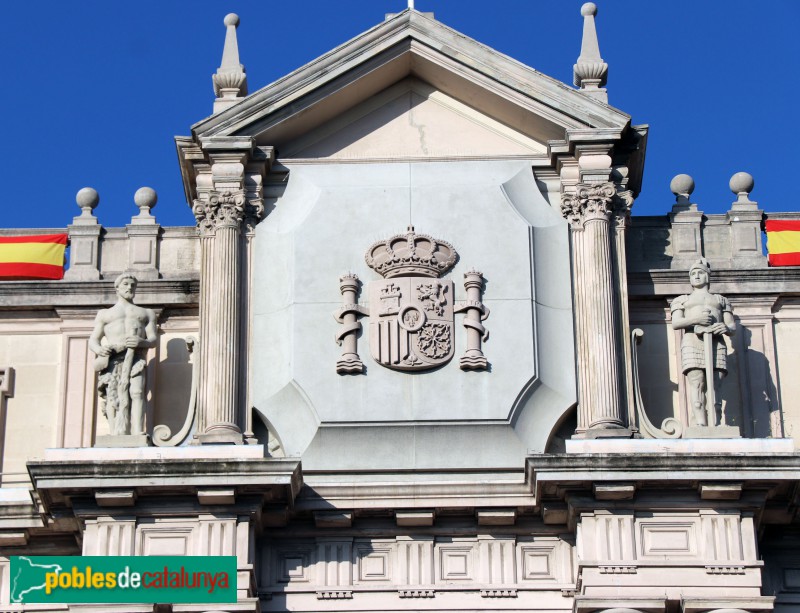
[[95, 91]]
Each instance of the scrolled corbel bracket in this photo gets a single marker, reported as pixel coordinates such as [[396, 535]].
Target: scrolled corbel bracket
[[162, 435], [474, 313], [347, 336], [670, 427]]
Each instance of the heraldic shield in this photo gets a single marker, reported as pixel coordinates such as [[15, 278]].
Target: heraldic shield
[[411, 309], [411, 322]]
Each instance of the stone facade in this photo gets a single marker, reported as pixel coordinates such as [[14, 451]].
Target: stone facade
[[487, 412]]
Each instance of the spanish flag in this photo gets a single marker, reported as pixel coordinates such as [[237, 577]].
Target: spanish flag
[[783, 242], [32, 257]]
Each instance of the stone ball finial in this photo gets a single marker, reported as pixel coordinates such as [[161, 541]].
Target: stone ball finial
[[145, 198], [742, 183], [590, 8], [682, 185], [87, 198], [231, 19]]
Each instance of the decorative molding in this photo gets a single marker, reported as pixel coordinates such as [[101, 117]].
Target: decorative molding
[[724, 569], [334, 594], [416, 593], [617, 570], [499, 593]]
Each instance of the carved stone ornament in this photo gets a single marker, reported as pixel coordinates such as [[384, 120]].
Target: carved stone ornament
[[588, 202], [226, 208], [411, 309]]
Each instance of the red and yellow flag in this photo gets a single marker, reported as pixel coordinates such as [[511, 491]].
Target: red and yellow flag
[[783, 242], [32, 257]]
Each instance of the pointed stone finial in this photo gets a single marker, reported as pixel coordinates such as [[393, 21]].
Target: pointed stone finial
[[230, 80], [591, 72]]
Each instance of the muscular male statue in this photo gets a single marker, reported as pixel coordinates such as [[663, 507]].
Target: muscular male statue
[[128, 331], [706, 318]]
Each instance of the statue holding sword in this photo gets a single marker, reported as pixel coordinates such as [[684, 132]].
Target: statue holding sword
[[706, 318]]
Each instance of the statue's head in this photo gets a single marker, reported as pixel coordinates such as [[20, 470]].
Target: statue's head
[[125, 284], [700, 273]]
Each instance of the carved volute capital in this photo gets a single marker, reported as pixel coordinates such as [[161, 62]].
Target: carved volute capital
[[253, 213], [222, 209], [622, 208], [588, 202]]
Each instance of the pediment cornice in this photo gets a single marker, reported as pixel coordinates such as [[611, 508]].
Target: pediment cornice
[[412, 44]]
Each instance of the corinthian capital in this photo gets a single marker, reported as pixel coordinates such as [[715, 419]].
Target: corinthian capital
[[222, 209], [588, 202]]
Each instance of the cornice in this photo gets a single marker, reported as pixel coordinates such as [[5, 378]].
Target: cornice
[[161, 292]]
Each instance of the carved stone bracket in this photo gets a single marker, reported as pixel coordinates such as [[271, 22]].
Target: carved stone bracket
[[499, 593], [415, 593], [162, 435], [475, 312], [670, 427], [347, 336], [222, 209], [334, 594]]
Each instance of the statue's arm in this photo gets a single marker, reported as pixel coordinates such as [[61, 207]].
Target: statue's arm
[[679, 319], [150, 331], [727, 318], [96, 338]]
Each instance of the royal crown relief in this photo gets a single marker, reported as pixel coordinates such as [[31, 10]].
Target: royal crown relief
[[411, 309]]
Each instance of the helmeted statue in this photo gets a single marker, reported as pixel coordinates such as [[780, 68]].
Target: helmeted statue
[[706, 319]]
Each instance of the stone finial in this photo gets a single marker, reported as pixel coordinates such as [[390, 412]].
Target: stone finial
[[742, 184], [145, 198], [590, 72], [87, 198], [230, 80], [682, 186]]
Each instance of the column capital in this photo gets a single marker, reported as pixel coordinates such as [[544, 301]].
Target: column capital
[[221, 209], [589, 202]]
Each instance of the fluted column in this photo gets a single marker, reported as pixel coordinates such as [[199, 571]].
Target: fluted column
[[600, 410], [219, 220]]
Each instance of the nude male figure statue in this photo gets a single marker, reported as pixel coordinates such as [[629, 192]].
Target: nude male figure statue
[[128, 331]]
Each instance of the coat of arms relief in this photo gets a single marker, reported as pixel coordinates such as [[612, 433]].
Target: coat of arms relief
[[412, 308]]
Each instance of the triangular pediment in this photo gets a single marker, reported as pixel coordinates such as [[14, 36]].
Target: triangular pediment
[[471, 85], [412, 120]]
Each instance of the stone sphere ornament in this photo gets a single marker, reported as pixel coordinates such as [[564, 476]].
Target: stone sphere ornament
[[145, 198], [742, 183], [682, 185], [231, 19], [87, 198], [590, 8]]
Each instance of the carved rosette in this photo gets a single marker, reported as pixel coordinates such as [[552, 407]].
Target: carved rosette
[[222, 209], [588, 203]]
